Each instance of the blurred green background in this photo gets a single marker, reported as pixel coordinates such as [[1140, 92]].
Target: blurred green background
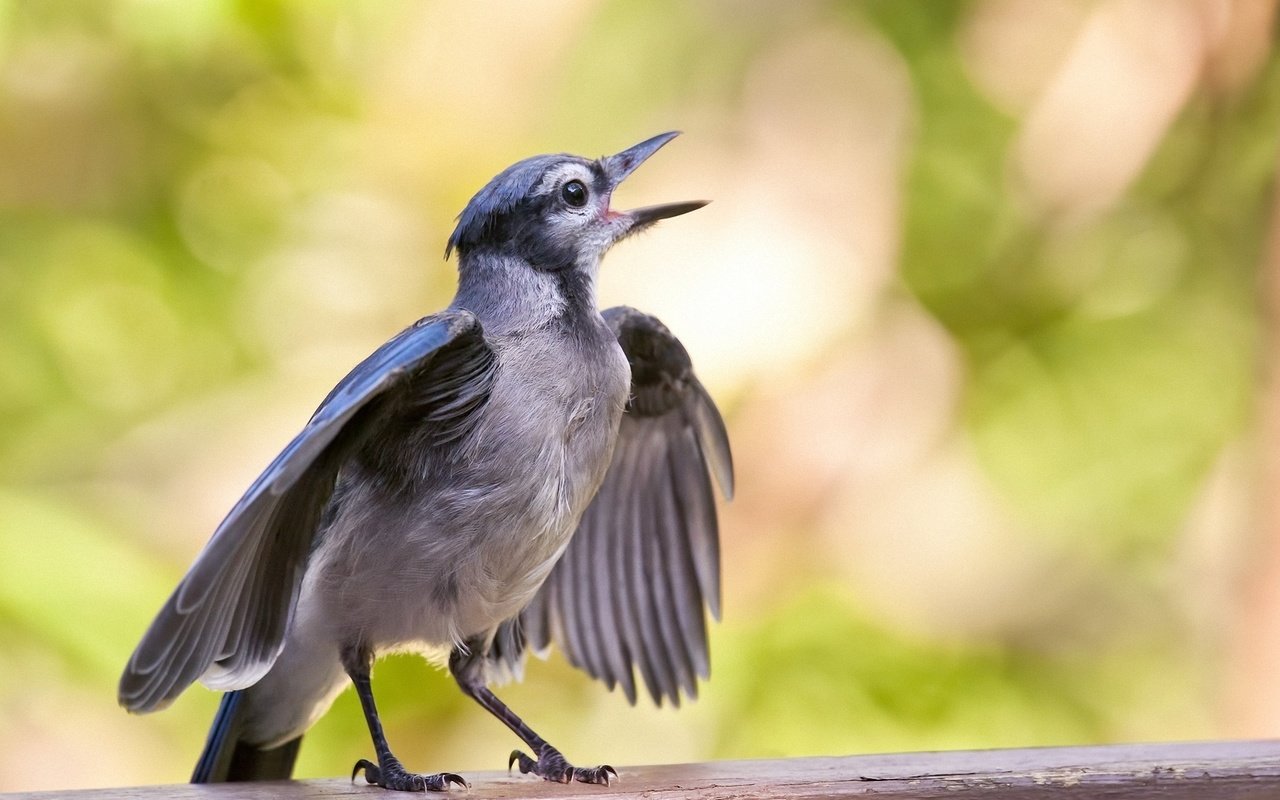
[[984, 293]]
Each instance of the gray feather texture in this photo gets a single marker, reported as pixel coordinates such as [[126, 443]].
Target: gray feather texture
[[516, 471], [632, 591]]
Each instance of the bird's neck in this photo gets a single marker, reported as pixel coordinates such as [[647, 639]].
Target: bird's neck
[[509, 295]]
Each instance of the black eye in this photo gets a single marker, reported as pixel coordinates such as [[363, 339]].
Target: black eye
[[574, 193]]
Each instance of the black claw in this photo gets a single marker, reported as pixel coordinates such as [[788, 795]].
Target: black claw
[[526, 763], [370, 770], [394, 776], [600, 775], [551, 766]]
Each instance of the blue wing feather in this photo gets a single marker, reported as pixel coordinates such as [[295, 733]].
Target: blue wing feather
[[225, 622]]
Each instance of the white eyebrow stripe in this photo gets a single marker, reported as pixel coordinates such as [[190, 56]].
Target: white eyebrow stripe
[[562, 173]]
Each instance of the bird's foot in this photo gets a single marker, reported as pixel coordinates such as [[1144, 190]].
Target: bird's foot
[[392, 775], [551, 766]]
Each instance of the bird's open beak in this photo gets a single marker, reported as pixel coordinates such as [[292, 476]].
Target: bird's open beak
[[619, 166]]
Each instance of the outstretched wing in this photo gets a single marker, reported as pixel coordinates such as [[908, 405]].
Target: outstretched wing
[[226, 621], [632, 590]]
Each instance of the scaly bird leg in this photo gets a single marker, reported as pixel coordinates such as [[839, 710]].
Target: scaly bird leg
[[467, 667], [388, 773]]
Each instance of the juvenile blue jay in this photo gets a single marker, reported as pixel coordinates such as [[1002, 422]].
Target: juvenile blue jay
[[515, 471]]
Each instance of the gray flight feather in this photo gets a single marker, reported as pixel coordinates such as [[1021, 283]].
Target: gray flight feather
[[225, 623], [631, 592]]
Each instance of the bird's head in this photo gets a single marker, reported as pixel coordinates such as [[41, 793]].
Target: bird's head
[[553, 211]]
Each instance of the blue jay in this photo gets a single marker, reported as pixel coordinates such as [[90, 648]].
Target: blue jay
[[516, 471]]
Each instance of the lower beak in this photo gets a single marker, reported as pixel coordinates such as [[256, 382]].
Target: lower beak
[[644, 217]]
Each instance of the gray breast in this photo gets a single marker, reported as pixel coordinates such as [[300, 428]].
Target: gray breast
[[469, 545], [554, 418], [549, 436]]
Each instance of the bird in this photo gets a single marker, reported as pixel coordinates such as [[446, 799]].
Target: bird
[[516, 472]]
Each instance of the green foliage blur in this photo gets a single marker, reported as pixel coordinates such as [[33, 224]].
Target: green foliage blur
[[995, 422]]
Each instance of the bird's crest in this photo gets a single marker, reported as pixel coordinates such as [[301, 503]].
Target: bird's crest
[[484, 213]]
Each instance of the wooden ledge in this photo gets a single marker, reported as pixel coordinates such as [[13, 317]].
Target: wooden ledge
[[1245, 770]]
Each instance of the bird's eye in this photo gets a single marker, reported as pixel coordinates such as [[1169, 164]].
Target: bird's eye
[[574, 193]]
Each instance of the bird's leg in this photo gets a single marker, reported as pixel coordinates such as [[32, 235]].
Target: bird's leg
[[388, 773], [467, 667]]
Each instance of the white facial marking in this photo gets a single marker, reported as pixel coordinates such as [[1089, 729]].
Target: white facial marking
[[586, 225]]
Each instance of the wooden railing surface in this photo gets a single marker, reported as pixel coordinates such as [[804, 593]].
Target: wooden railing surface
[[1244, 770]]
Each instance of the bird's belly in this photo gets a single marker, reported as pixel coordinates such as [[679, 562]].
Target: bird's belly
[[529, 523], [461, 556]]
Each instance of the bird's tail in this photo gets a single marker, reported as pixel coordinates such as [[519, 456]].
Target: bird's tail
[[227, 758]]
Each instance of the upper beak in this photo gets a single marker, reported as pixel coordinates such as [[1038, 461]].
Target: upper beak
[[619, 166]]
